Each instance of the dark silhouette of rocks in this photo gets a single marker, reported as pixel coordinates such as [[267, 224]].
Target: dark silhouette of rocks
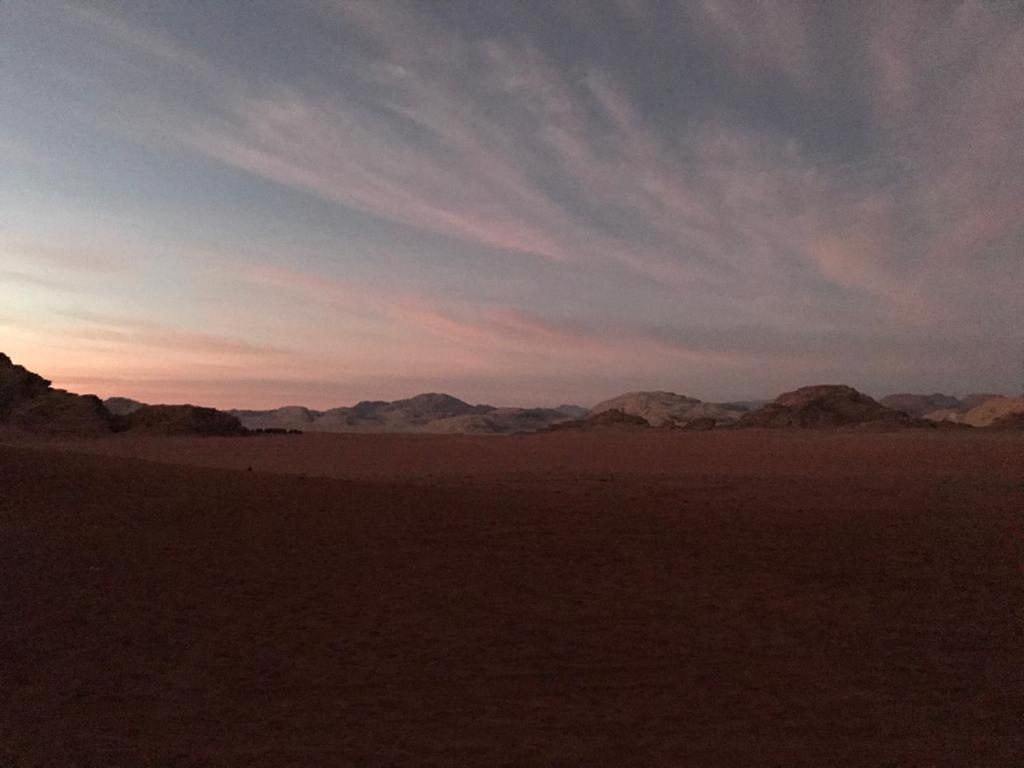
[[57, 412], [826, 406], [28, 403], [18, 384], [182, 420]]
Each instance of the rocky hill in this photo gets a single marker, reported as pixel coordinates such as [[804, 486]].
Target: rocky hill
[[993, 409], [660, 409], [431, 413], [18, 384], [411, 414], [182, 420], [824, 407], [29, 403], [57, 412]]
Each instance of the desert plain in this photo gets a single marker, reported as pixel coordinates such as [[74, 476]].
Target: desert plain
[[649, 597]]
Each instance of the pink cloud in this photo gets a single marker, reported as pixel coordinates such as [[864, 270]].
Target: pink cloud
[[505, 330], [482, 337]]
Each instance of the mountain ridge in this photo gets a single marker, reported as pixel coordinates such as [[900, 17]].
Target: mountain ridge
[[29, 402], [429, 412], [661, 408]]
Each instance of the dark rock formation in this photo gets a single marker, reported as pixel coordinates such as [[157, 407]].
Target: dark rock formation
[[823, 407], [662, 409], [57, 412], [29, 403], [18, 384], [182, 420]]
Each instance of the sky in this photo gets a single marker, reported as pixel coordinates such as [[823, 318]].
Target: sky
[[254, 204]]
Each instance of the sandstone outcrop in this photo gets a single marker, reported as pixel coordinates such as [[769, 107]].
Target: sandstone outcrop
[[825, 407]]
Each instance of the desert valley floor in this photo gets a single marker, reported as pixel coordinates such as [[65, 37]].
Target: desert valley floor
[[749, 598]]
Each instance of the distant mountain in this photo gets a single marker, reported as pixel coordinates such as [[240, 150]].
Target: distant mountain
[[920, 405], [527, 419], [431, 413], [661, 409], [978, 398], [28, 402], [992, 410], [979, 410], [826, 406]]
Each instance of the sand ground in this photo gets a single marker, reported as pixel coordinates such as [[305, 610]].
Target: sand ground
[[647, 598]]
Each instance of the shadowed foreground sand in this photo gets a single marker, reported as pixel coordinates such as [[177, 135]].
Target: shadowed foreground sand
[[566, 599]]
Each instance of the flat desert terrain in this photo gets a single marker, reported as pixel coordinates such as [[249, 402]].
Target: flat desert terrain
[[744, 598]]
